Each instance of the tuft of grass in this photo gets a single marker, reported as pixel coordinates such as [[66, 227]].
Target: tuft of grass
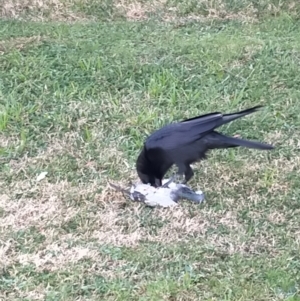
[[82, 83]]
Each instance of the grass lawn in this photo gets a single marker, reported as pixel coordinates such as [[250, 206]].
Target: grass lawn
[[82, 83]]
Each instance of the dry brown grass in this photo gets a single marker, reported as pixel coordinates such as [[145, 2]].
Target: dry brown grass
[[140, 10], [59, 10], [39, 10], [133, 10], [9, 141]]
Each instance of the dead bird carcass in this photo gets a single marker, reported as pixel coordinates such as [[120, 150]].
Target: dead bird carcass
[[167, 195]]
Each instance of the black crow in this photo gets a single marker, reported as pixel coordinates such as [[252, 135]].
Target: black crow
[[186, 142]]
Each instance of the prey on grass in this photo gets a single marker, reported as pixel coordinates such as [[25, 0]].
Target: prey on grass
[[166, 195]]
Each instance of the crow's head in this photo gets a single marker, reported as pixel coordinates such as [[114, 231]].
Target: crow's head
[[147, 171]]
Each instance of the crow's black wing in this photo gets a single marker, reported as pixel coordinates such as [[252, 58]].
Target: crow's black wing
[[185, 132]]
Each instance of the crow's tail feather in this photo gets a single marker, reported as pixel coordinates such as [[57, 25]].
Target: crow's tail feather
[[249, 143], [230, 117], [217, 140]]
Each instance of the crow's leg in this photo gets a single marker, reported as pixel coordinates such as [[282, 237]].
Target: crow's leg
[[185, 171], [188, 173]]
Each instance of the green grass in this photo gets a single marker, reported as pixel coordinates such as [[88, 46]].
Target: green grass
[[77, 100]]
